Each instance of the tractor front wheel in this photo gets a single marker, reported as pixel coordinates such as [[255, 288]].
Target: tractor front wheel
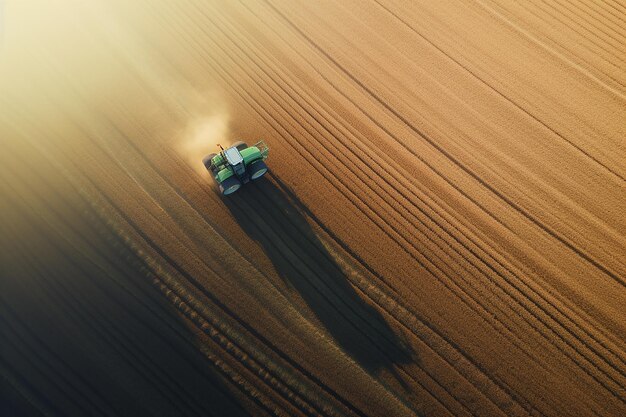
[[230, 185], [257, 169], [206, 161]]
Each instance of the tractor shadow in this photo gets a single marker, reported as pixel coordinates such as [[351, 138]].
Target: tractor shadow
[[272, 215]]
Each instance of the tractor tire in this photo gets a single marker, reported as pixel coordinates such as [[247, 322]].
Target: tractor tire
[[206, 161], [230, 185], [257, 169], [239, 145]]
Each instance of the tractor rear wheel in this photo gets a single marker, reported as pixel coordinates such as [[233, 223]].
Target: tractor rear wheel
[[230, 185], [239, 145], [206, 161], [257, 169]]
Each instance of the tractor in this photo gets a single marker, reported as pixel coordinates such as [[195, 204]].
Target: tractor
[[237, 165]]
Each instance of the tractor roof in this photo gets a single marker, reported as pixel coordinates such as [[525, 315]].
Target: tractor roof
[[233, 156]]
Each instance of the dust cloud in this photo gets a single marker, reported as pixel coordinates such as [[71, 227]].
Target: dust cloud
[[202, 137]]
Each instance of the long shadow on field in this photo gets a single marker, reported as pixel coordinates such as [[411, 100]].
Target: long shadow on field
[[272, 215]]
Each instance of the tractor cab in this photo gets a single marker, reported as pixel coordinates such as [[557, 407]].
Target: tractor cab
[[236, 161]]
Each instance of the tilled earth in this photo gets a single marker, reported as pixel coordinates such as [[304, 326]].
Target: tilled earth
[[442, 231]]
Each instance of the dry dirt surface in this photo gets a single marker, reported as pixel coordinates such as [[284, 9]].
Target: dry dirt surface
[[443, 231]]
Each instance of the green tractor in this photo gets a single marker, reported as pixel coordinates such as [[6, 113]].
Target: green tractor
[[237, 165]]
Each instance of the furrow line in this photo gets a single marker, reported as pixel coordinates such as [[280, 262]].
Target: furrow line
[[578, 18], [502, 95], [615, 5], [609, 48], [601, 15], [568, 51]]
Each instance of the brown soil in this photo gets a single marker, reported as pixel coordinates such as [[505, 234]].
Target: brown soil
[[442, 232]]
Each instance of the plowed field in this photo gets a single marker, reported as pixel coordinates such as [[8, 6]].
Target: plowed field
[[442, 231]]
